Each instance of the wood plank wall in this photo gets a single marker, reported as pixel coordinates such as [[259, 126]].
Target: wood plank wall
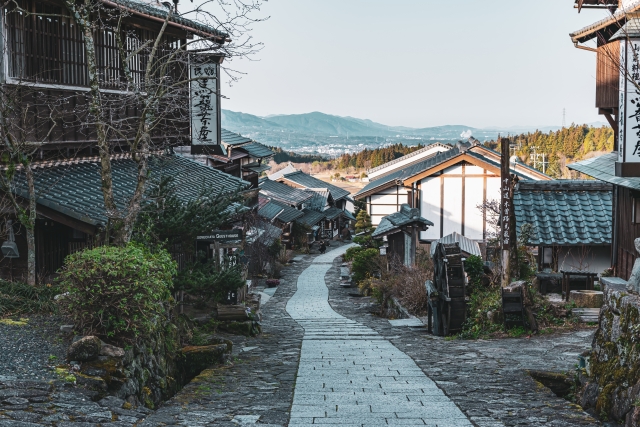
[[627, 233], [607, 75]]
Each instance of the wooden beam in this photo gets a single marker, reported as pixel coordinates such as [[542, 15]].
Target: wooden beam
[[612, 121], [452, 162]]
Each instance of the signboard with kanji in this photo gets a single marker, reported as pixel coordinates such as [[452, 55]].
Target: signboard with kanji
[[204, 73], [629, 117]]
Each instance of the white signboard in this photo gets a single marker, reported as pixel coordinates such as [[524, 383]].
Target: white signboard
[[629, 126], [205, 106]]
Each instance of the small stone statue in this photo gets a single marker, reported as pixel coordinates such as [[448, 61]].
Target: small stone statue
[[633, 285]]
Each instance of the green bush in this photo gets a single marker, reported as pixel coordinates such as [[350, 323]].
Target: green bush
[[203, 279], [365, 262], [474, 266], [351, 252], [19, 298], [118, 293]]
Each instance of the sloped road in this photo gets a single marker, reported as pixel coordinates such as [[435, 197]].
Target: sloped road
[[349, 375]]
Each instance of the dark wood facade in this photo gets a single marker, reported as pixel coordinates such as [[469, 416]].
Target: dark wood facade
[[46, 72], [608, 77]]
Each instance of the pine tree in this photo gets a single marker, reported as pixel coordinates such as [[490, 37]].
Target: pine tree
[[363, 221]]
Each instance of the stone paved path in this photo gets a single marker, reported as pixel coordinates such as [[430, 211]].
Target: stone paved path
[[349, 375]]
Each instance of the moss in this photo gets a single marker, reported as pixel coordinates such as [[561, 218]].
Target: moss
[[10, 322], [127, 405]]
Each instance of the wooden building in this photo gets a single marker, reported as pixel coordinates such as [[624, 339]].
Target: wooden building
[[571, 223], [615, 38], [401, 230], [447, 185]]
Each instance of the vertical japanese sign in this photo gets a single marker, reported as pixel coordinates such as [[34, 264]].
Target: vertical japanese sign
[[629, 126], [505, 197], [204, 72]]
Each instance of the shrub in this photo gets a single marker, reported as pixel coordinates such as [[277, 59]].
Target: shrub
[[19, 298], [208, 282], [351, 252], [365, 263], [116, 292]]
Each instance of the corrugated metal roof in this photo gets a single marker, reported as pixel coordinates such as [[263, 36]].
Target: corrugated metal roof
[[232, 138], [309, 181], [75, 189], [310, 217], [279, 174], [467, 245], [603, 168], [276, 210], [257, 150], [408, 156], [565, 212], [415, 169], [284, 193], [319, 200], [392, 223]]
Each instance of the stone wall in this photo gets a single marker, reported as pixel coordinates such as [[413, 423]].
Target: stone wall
[[610, 380], [148, 372]]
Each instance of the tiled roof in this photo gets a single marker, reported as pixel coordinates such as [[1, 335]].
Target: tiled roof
[[287, 169], [284, 193], [232, 138], [603, 168], [590, 31], [393, 222], [263, 232], [408, 156], [466, 245], [414, 169], [276, 210], [255, 149], [309, 181], [432, 161], [310, 217], [332, 213], [159, 11], [75, 189], [256, 167], [570, 212]]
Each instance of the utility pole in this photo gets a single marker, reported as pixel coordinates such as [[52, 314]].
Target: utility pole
[[564, 117], [534, 158]]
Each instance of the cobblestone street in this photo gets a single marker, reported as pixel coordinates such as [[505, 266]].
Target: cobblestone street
[[324, 358]]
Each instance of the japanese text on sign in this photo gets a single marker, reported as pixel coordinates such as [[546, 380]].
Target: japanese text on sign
[[204, 102]]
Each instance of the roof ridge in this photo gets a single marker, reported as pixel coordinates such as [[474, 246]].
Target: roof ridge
[[406, 156]]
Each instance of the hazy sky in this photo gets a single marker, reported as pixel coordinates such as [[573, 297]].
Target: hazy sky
[[421, 63]]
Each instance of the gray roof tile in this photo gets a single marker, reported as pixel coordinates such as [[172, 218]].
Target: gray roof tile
[[276, 210], [309, 181], [393, 222], [283, 193], [310, 217], [255, 149], [603, 168], [565, 212], [75, 189]]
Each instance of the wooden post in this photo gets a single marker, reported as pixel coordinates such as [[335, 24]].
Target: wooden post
[[505, 209]]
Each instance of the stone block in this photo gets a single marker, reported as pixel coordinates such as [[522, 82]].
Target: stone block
[[587, 299], [84, 349]]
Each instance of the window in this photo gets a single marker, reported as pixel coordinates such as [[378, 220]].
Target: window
[[46, 46]]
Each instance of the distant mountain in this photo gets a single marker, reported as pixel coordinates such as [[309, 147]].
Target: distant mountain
[[331, 135]]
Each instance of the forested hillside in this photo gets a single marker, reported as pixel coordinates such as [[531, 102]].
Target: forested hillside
[[562, 147], [559, 148]]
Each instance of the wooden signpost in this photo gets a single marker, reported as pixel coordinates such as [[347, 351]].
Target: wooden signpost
[[508, 235]]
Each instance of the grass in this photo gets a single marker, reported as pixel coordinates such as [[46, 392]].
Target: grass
[[11, 322], [19, 298]]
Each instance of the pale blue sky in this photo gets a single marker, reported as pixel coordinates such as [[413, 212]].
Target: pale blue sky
[[421, 63]]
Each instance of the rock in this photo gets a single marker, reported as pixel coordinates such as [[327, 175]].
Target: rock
[[197, 358], [86, 348], [237, 328], [16, 401], [95, 383], [587, 299], [634, 281], [111, 402], [111, 351], [67, 329]]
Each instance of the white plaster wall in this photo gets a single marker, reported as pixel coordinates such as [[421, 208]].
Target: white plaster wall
[[430, 206], [452, 207], [594, 259], [473, 196]]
